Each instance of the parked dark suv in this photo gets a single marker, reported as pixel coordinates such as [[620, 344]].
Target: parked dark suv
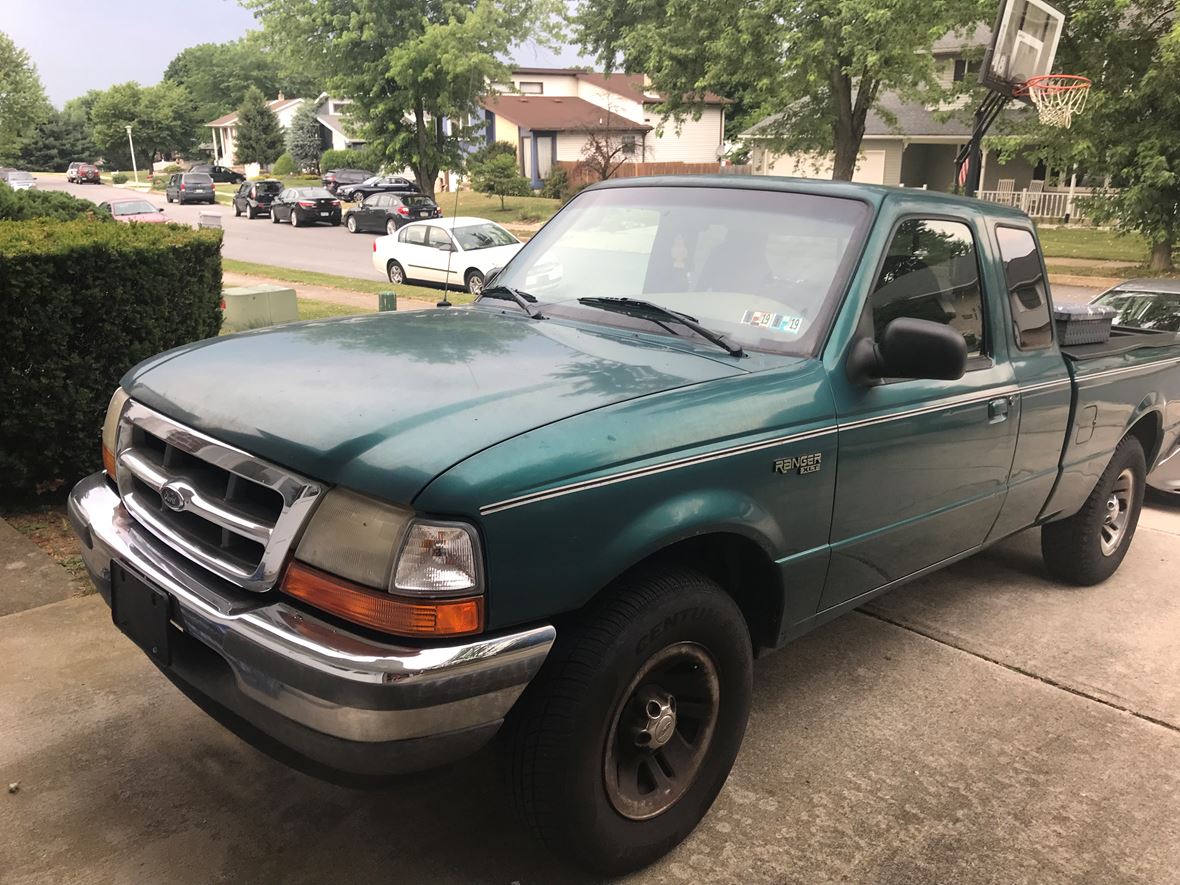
[[254, 197], [190, 187], [219, 173], [335, 178], [388, 212]]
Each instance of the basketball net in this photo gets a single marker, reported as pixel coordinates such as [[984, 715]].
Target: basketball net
[[1057, 97]]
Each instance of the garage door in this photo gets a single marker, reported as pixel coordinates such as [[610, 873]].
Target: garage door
[[871, 168]]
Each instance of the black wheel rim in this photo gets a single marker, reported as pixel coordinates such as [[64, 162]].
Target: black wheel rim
[[661, 731]]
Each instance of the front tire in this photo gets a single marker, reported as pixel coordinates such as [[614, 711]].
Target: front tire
[[1088, 547], [294, 219], [274, 217], [237, 211], [474, 282], [351, 224], [618, 748], [396, 273], [251, 213]]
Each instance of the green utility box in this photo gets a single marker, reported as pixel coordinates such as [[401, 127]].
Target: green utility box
[[387, 301], [249, 307]]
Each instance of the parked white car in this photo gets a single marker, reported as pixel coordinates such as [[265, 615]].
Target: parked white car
[[459, 251], [21, 181]]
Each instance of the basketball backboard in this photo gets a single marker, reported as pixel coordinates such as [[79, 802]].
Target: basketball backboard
[[1024, 44]]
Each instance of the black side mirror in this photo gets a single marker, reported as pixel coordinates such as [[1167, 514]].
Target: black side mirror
[[910, 348]]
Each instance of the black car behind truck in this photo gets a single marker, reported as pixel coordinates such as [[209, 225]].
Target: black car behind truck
[[253, 198]]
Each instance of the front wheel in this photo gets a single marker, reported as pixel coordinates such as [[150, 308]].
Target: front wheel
[[237, 210], [474, 282], [251, 212], [294, 219], [620, 745], [397, 275], [1088, 547], [351, 224], [274, 217]]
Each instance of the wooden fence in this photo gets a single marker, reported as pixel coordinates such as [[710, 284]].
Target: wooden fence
[[579, 175]]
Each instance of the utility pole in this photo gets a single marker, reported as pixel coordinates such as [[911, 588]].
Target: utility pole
[[131, 144]]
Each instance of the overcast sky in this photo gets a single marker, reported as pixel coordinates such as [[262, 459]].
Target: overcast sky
[[80, 44]]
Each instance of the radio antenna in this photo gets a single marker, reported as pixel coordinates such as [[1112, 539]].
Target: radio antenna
[[447, 282]]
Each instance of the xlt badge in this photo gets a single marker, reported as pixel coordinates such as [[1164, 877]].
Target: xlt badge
[[800, 464]]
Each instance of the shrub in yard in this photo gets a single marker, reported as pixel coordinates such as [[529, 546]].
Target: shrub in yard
[[556, 184], [82, 302], [284, 165], [348, 159], [23, 205], [119, 178], [160, 181]]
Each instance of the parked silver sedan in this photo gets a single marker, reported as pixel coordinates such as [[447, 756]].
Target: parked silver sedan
[[1154, 306]]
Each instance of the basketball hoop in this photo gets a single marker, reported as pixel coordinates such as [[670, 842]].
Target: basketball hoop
[[1057, 97]]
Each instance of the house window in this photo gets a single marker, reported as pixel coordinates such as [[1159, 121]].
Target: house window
[[965, 68], [531, 87], [629, 145], [336, 107]]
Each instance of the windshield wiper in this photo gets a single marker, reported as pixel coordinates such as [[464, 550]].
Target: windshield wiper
[[524, 299], [647, 310]]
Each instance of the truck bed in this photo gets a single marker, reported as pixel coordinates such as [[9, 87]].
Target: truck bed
[[1122, 341]]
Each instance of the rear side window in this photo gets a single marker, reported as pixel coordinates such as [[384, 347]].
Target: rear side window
[[415, 235], [931, 272], [1024, 275]]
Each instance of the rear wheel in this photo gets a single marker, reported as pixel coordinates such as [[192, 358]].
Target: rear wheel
[[294, 219], [397, 274], [1088, 547], [620, 745], [251, 212], [237, 210], [274, 217], [351, 224], [391, 227], [474, 280]]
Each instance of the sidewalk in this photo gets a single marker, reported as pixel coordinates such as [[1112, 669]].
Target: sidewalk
[[28, 577]]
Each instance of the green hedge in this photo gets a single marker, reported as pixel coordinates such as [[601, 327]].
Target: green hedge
[[83, 301], [349, 159]]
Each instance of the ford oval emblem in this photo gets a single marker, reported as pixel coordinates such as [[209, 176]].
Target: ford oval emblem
[[172, 498]]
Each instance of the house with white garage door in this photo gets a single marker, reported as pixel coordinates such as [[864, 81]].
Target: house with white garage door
[[549, 113]]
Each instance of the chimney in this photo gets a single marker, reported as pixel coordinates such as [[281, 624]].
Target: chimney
[[282, 97]]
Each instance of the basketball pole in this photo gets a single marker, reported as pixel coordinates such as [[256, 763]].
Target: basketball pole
[[971, 154]]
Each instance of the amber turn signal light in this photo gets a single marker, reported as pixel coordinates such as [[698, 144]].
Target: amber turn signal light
[[382, 611], [108, 462]]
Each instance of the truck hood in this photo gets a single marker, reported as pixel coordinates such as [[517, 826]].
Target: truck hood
[[383, 403]]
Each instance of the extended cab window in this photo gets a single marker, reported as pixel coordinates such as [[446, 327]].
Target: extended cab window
[[1025, 276], [931, 272]]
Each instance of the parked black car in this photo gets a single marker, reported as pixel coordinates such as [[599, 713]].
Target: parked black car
[[219, 173], [377, 184], [388, 212], [305, 205], [254, 197], [335, 178], [190, 187]]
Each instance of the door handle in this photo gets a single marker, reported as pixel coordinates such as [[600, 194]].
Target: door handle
[[997, 410]]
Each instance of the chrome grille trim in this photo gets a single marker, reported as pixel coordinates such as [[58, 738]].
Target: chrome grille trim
[[224, 522]]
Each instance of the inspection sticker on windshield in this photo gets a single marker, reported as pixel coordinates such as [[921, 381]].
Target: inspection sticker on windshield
[[778, 322]]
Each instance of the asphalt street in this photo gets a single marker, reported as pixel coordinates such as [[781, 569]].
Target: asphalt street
[[321, 248], [324, 249], [982, 726]]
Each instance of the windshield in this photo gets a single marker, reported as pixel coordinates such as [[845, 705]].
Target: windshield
[[268, 187], [762, 267], [483, 236], [132, 207], [1157, 311]]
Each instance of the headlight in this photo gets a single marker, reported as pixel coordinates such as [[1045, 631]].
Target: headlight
[[110, 429], [376, 564]]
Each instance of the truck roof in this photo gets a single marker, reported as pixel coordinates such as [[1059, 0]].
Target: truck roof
[[872, 193]]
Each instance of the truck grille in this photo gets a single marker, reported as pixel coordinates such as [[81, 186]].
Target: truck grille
[[219, 506]]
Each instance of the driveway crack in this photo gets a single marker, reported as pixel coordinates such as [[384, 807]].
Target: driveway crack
[[1013, 668]]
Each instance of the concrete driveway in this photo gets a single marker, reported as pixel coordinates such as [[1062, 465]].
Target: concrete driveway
[[983, 725], [320, 248]]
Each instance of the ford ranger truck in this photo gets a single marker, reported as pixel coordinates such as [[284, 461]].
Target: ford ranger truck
[[691, 420]]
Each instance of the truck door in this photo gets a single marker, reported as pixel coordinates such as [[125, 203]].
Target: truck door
[[1045, 388], [923, 465]]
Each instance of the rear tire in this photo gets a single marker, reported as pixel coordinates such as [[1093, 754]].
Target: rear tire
[[351, 224], [618, 748], [391, 227], [474, 282], [396, 273], [294, 219], [251, 213], [274, 218], [237, 210], [1088, 547]]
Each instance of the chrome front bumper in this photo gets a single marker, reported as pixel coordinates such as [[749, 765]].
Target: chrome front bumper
[[289, 681]]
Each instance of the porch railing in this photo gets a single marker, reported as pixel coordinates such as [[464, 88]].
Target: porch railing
[[1047, 205]]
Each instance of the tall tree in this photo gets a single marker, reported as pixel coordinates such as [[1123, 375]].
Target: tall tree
[[162, 120], [303, 139], [57, 142], [821, 64], [259, 139], [1128, 132], [22, 99], [415, 69], [218, 75]]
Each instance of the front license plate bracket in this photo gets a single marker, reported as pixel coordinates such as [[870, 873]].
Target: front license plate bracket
[[143, 613]]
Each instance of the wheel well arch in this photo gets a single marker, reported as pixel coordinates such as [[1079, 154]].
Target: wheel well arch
[[743, 569], [1149, 430], [467, 273]]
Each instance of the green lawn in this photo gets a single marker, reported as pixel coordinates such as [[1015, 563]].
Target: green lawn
[[310, 309], [332, 281], [1088, 242]]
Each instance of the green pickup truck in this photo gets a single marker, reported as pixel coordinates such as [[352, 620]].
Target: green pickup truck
[[693, 419]]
